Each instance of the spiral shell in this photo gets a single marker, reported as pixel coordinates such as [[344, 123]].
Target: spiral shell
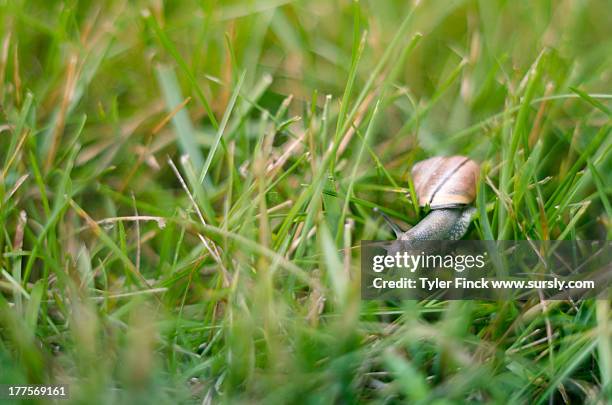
[[444, 182]]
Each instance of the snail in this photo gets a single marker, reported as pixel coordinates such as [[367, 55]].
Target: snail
[[448, 186]]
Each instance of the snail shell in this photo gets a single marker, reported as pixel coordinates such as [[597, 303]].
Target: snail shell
[[445, 181]]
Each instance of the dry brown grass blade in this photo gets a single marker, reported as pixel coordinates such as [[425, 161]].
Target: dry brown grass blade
[[67, 96]]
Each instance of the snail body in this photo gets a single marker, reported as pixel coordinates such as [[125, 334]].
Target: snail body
[[441, 224], [448, 186]]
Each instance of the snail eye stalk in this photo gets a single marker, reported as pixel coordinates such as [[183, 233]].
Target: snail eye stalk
[[394, 227]]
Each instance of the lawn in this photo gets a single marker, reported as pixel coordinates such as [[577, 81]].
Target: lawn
[[184, 188]]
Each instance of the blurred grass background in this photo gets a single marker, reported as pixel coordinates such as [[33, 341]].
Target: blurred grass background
[[183, 189]]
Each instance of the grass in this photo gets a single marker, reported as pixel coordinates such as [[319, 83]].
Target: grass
[[183, 190]]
